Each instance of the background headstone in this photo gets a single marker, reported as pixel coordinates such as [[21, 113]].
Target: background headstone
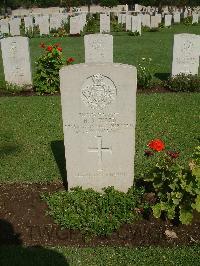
[[186, 52], [16, 60], [99, 110], [104, 23], [44, 25], [136, 24], [98, 48]]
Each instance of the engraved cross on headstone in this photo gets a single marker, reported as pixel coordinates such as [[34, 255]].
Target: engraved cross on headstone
[[100, 151]]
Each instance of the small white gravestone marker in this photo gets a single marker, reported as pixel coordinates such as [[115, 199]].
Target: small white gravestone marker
[[119, 18], [15, 26], [98, 110], [75, 25], [16, 60], [128, 22], [123, 18], [136, 24], [168, 20], [44, 25], [4, 26], [154, 22], [98, 48], [195, 18], [104, 23], [146, 20], [159, 16], [186, 52], [177, 17], [28, 21]]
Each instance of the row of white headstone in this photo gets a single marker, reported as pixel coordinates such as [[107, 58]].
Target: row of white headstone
[[151, 21], [98, 49], [45, 24]]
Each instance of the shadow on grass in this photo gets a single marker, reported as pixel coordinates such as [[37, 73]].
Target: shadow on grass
[[162, 76], [58, 150], [6, 150], [12, 253]]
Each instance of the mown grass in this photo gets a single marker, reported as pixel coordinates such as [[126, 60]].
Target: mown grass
[[31, 135], [15, 256], [127, 49]]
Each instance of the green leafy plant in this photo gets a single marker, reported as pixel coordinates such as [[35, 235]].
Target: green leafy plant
[[184, 83], [177, 190], [117, 27], [135, 33], [145, 73], [91, 26], [46, 79], [92, 212], [187, 21], [14, 88]]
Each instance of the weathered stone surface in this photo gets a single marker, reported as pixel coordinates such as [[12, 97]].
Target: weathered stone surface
[[186, 52], [16, 60], [44, 25], [168, 20], [15, 26], [136, 24], [104, 23], [98, 48], [99, 109]]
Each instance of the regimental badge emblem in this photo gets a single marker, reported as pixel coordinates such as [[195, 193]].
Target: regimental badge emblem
[[98, 91]]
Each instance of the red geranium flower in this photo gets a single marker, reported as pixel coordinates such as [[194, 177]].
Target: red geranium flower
[[156, 145], [173, 154], [42, 45], [70, 60], [57, 44], [49, 48], [59, 49]]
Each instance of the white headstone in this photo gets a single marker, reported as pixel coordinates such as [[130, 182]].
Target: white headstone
[[177, 17], [136, 24], [123, 18], [154, 22], [159, 16], [44, 25], [119, 19], [99, 110], [28, 21], [98, 48], [168, 20], [16, 60], [146, 20], [128, 22], [15, 26], [4, 26], [104, 23], [75, 25], [195, 18], [186, 52]]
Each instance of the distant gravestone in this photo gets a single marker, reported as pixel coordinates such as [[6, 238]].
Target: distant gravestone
[[119, 19], [168, 20], [98, 48], [146, 20], [28, 22], [195, 18], [123, 16], [75, 25], [54, 22], [4, 26], [136, 24], [128, 22], [104, 23], [159, 17], [186, 52], [154, 22], [44, 25], [177, 17], [99, 110], [15, 26], [16, 60]]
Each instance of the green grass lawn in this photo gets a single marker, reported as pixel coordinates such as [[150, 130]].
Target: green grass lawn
[[186, 256], [127, 49], [31, 146]]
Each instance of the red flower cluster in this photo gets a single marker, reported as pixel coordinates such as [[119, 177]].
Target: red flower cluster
[[49, 48], [156, 145], [70, 60]]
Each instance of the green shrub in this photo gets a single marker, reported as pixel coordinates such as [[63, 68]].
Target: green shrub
[[187, 21], [46, 79], [177, 190], [117, 27], [92, 212], [184, 83], [91, 26], [145, 73], [135, 33]]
